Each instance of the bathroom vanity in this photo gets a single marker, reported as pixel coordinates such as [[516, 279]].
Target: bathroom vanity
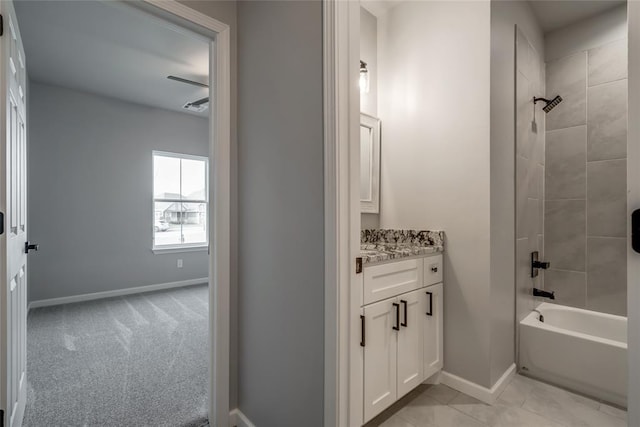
[[401, 316]]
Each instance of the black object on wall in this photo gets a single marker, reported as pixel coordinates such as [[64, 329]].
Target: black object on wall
[[635, 230]]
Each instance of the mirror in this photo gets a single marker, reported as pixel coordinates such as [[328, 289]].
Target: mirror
[[369, 164]]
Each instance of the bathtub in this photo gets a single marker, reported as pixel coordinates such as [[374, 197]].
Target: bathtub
[[577, 349]]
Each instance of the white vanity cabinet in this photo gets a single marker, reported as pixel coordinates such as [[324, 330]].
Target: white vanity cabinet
[[402, 333], [410, 342], [432, 350], [380, 357]]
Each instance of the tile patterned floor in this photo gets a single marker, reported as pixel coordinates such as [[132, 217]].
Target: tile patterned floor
[[523, 403]]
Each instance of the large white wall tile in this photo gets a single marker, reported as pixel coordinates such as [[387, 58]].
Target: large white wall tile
[[570, 287], [566, 163], [608, 63], [565, 234], [607, 121], [567, 77], [607, 275], [607, 198]]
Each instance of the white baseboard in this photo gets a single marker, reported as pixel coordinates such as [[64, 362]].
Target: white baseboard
[[238, 419], [116, 293], [433, 379], [481, 393]]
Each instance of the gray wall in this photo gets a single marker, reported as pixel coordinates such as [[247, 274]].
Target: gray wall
[[509, 282], [280, 223], [90, 192], [433, 93], [586, 176]]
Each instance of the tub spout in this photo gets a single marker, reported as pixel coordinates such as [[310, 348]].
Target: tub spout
[[544, 294]]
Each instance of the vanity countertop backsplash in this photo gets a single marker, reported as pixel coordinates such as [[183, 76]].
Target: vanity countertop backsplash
[[386, 244]]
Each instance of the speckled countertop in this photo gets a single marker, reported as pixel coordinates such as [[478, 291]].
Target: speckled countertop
[[384, 245]]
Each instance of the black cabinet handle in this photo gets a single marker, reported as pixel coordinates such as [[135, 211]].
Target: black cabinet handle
[[30, 247], [430, 312], [361, 330], [397, 307], [404, 303], [434, 269]]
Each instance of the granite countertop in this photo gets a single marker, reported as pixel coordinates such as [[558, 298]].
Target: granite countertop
[[384, 245]]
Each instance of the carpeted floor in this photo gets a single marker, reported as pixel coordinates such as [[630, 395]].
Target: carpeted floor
[[138, 360]]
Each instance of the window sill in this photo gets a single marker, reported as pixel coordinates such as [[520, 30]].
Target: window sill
[[179, 249]]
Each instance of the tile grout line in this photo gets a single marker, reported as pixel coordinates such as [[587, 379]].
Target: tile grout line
[[606, 83], [607, 160], [586, 179], [467, 415]]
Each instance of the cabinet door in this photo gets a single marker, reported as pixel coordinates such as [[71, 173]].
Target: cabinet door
[[432, 318], [380, 346], [410, 341]]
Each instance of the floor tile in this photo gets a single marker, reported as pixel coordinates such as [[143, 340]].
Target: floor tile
[[613, 411], [396, 421], [441, 393], [425, 411], [487, 414], [524, 403], [516, 391], [517, 417], [568, 408]]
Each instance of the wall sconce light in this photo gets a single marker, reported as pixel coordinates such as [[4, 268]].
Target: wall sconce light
[[364, 77]]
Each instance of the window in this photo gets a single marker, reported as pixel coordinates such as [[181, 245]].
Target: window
[[180, 201]]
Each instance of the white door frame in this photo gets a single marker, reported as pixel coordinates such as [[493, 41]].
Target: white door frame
[[219, 196], [633, 202], [219, 199], [343, 355]]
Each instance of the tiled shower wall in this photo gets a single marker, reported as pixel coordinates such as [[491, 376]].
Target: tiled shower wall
[[585, 179], [530, 159]]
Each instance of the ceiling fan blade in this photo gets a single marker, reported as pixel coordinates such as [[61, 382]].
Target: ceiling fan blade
[[199, 102], [198, 106], [187, 81]]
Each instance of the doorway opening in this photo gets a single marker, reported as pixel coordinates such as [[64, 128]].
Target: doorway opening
[[118, 139]]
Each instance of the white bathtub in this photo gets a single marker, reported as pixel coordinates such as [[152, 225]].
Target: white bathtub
[[578, 349]]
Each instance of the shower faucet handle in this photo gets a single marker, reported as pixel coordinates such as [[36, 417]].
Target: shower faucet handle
[[541, 264], [536, 264]]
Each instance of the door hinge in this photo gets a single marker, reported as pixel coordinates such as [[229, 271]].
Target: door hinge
[[1, 25], [359, 265]]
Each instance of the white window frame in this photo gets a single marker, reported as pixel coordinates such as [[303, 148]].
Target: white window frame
[[180, 247]]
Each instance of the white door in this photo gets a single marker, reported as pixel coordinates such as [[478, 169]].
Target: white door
[[410, 342], [380, 345], [433, 338], [13, 202]]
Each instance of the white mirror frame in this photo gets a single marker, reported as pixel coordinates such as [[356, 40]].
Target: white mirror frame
[[373, 204]]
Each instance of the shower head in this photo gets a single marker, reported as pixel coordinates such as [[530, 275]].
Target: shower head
[[549, 104]]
